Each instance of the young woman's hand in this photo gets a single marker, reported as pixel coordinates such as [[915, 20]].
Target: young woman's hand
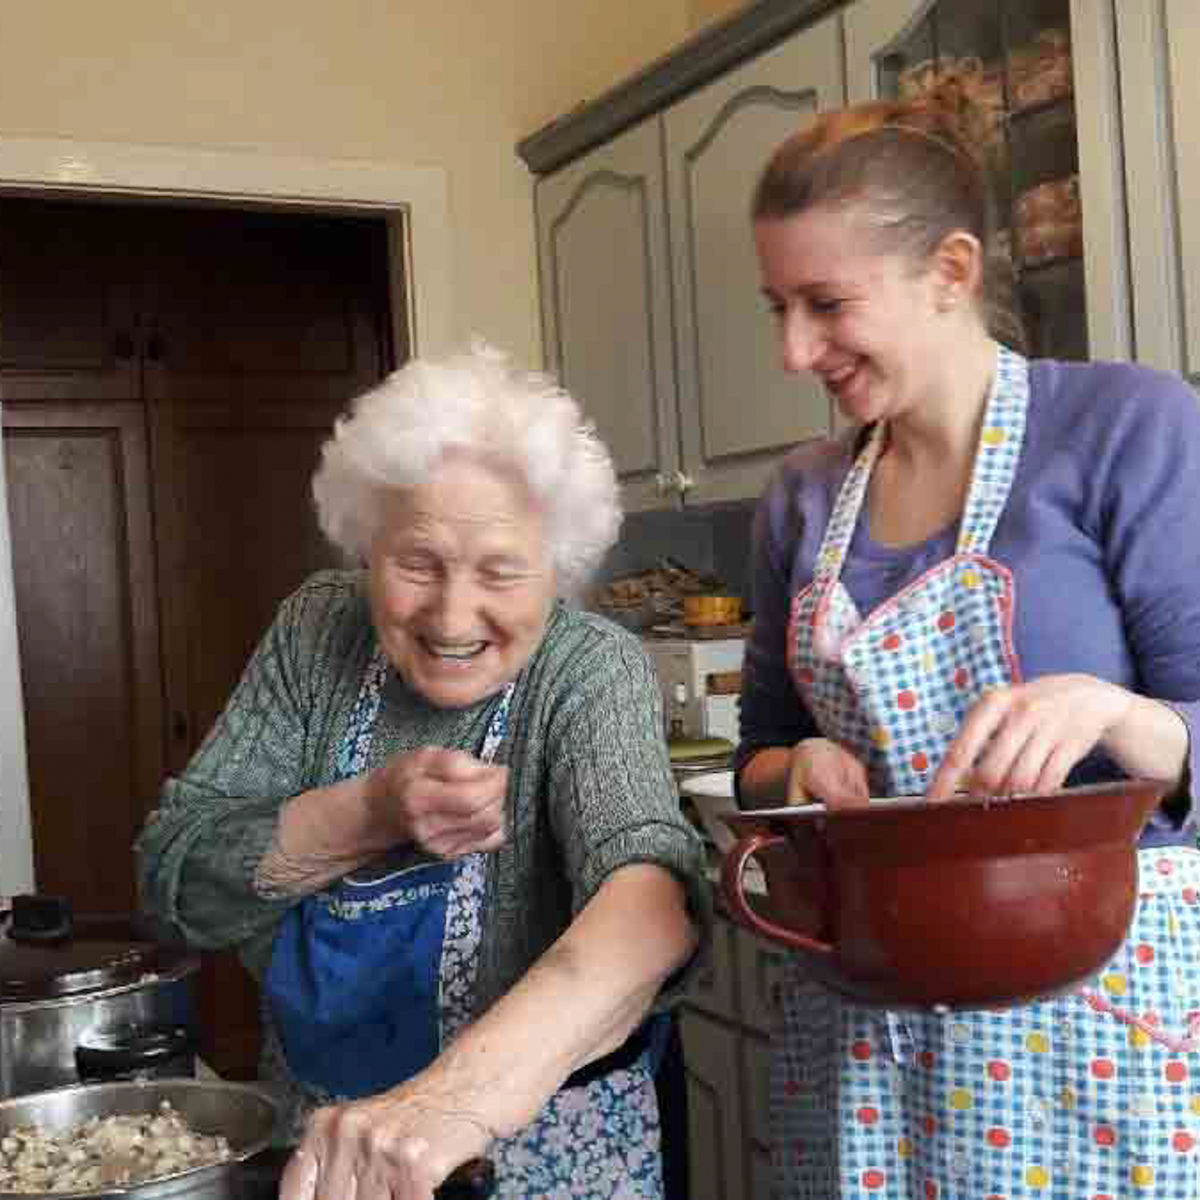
[[821, 770], [1027, 737]]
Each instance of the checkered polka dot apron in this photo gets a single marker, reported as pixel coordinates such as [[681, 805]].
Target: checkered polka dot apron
[[1088, 1096]]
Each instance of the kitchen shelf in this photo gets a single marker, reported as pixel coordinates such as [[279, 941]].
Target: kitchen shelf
[[1060, 110]]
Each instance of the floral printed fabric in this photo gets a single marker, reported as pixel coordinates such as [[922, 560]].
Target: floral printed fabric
[[588, 1143]]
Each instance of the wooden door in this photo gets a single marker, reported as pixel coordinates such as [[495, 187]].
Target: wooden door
[[175, 372], [259, 328], [68, 302], [83, 567]]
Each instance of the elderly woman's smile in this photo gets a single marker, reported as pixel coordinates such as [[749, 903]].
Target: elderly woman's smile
[[460, 581]]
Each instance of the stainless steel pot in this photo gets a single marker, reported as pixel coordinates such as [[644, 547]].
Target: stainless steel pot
[[242, 1114], [245, 1116], [90, 998]]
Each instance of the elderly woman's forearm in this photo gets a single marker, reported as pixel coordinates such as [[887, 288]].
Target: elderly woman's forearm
[[321, 834], [580, 1001]]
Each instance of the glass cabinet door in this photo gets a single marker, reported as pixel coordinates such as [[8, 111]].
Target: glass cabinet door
[[1013, 59]]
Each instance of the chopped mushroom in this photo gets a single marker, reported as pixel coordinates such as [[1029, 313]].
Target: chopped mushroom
[[104, 1152]]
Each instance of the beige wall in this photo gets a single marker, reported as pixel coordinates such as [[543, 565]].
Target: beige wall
[[704, 12], [453, 84]]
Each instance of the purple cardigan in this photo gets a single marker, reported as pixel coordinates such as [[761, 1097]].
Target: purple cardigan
[[1101, 533]]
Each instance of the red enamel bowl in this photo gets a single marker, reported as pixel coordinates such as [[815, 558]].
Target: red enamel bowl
[[976, 902]]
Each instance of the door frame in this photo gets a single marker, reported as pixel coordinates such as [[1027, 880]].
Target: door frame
[[415, 201]]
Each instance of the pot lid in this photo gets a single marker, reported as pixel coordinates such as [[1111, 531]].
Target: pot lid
[[46, 952]]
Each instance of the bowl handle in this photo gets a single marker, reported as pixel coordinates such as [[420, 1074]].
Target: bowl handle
[[732, 870]]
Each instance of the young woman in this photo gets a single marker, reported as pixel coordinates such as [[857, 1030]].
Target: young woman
[[992, 583]]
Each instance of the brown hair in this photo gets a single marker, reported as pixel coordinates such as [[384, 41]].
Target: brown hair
[[912, 170]]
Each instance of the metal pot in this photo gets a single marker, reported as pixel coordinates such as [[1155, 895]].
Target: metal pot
[[243, 1115], [978, 902], [90, 998]]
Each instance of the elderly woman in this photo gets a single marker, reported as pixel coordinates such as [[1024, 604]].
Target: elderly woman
[[437, 815]]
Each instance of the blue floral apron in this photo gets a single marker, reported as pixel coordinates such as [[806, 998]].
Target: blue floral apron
[[371, 977], [1055, 1099]]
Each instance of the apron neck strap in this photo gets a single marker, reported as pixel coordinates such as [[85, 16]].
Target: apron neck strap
[[999, 447], [352, 756]]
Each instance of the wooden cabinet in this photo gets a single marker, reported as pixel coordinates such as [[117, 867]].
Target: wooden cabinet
[[739, 412], [725, 1024], [83, 554], [606, 303], [168, 378], [651, 307], [1046, 72], [716, 1135]]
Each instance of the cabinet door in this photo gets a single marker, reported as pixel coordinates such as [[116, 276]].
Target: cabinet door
[[1160, 102], [606, 305], [760, 966], [1073, 306], [260, 328], [756, 1080], [739, 411], [83, 569], [713, 988], [67, 294], [715, 1128]]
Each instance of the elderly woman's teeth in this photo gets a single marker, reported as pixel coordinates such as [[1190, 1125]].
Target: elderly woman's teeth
[[455, 649]]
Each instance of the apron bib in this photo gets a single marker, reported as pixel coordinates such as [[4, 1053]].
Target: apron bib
[[1030, 1101], [895, 687], [366, 980], [370, 978]]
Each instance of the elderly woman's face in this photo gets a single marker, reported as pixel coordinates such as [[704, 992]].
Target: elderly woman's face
[[460, 582]]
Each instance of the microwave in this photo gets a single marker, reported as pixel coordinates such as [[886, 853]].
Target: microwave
[[691, 708]]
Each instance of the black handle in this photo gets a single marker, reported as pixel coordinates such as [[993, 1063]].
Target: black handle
[[156, 347], [123, 347], [474, 1180], [127, 1051], [260, 1175], [38, 919]]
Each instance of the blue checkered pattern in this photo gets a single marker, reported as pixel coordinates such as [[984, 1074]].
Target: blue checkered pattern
[[898, 684], [1049, 1100], [1054, 1100]]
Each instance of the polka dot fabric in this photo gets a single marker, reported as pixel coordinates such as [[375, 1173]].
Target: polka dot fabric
[[899, 683], [1050, 1100], [1057, 1099]]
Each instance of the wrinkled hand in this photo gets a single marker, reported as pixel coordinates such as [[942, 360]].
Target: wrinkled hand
[[823, 771], [446, 801], [396, 1146], [1027, 737]]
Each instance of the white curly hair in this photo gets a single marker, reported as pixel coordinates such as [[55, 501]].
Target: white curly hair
[[474, 402]]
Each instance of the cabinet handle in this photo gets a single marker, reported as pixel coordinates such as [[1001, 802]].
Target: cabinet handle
[[156, 348], [674, 483]]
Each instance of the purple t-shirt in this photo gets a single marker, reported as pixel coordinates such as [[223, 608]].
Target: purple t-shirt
[[1101, 533]]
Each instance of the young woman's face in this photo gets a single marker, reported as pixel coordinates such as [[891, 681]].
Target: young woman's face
[[866, 324], [460, 582]]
